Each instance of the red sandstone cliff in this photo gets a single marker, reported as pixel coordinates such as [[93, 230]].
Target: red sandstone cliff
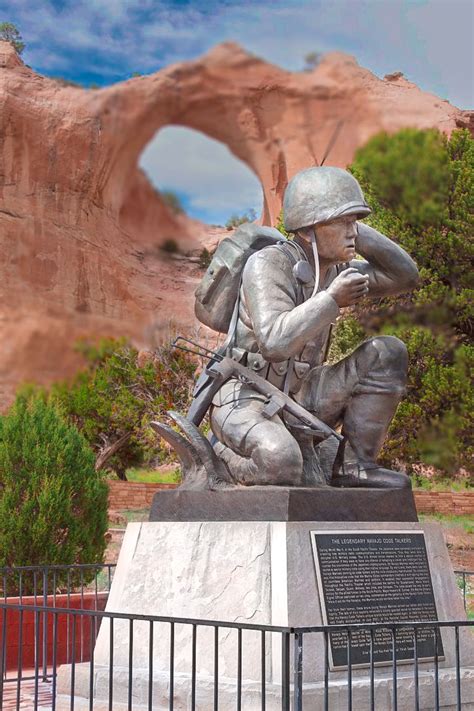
[[79, 222]]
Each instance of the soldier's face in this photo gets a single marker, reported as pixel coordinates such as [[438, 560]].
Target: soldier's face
[[336, 239]]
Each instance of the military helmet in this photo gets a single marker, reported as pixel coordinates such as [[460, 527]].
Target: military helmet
[[321, 194]]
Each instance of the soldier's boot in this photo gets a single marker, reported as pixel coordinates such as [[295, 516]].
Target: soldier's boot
[[366, 422], [243, 470], [368, 416]]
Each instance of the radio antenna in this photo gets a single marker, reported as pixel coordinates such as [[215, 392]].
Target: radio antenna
[[333, 140]]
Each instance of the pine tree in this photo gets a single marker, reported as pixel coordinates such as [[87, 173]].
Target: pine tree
[[53, 505], [10, 33]]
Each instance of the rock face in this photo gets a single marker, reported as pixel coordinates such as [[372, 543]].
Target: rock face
[[79, 222]]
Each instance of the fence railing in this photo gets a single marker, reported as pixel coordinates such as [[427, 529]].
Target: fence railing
[[156, 662], [43, 581], [80, 586], [51, 617]]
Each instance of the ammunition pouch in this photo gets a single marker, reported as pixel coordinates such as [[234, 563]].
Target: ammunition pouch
[[274, 372]]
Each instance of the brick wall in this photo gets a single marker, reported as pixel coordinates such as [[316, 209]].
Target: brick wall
[[76, 601], [132, 495], [445, 502], [125, 495]]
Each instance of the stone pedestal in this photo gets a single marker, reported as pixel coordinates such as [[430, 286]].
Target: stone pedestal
[[259, 572]]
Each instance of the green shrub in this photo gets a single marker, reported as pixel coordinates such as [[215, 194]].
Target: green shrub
[[10, 33], [236, 220], [53, 505], [281, 227], [205, 257], [311, 61], [170, 198], [347, 335], [170, 246], [120, 391], [420, 187]]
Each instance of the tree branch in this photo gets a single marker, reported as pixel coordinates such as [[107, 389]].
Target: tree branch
[[109, 450]]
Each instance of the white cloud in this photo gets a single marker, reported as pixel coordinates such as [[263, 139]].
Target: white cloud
[[429, 40], [204, 169]]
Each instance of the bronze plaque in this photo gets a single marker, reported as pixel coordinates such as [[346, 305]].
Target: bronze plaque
[[376, 576]]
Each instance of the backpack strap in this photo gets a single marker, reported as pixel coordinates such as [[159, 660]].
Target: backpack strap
[[297, 254], [232, 332], [293, 251]]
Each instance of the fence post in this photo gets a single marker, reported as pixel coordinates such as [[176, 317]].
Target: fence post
[[45, 625], [298, 672], [3, 654], [285, 671]]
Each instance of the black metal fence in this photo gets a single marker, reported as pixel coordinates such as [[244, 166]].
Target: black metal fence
[[43, 581], [59, 649], [26, 645], [154, 662]]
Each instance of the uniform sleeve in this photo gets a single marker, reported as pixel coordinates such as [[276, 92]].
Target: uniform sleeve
[[282, 329], [390, 269]]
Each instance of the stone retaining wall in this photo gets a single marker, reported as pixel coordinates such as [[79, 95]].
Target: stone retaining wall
[[125, 495], [445, 502], [132, 495]]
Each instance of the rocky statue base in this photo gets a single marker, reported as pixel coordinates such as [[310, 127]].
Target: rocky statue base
[[256, 572]]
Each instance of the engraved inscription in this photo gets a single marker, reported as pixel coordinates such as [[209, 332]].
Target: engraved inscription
[[376, 577]]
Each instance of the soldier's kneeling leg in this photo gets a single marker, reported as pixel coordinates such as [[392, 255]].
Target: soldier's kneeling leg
[[381, 366], [362, 391], [256, 450]]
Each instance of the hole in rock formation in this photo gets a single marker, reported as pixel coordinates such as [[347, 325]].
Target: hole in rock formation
[[199, 176]]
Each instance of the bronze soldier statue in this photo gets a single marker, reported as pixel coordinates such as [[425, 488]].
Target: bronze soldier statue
[[289, 295]]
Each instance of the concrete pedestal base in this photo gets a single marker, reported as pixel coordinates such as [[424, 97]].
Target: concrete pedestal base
[[313, 694], [253, 572]]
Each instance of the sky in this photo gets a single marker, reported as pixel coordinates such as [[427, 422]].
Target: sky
[[105, 41]]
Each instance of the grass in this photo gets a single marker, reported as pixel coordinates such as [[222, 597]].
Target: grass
[[131, 515], [154, 476], [424, 483], [469, 593], [450, 520], [136, 514]]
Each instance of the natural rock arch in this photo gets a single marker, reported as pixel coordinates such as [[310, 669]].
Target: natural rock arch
[[76, 212], [213, 183]]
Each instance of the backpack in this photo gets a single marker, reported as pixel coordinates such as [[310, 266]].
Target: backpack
[[216, 295]]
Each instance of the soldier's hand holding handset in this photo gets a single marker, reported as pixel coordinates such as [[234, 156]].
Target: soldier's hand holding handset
[[348, 287]]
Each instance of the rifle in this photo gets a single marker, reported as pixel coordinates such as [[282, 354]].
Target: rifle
[[221, 368]]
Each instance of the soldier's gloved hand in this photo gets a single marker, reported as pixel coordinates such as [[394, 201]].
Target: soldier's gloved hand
[[348, 287]]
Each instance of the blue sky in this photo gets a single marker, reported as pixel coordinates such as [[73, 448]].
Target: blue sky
[[105, 41]]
